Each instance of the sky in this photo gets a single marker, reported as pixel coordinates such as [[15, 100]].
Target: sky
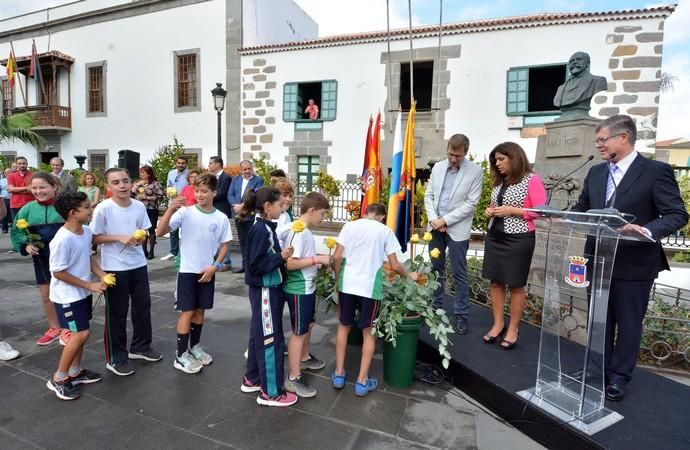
[[352, 16]]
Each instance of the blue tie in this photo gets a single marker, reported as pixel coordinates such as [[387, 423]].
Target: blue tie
[[611, 183]]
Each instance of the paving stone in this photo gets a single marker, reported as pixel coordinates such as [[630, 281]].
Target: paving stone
[[379, 410], [438, 425], [370, 440]]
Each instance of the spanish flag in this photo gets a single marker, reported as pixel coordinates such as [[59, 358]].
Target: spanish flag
[[401, 200], [11, 69], [371, 173]]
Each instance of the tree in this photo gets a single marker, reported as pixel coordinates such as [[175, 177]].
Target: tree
[[17, 127], [667, 81]]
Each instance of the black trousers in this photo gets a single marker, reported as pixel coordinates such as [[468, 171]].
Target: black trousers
[[627, 307], [243, 227], [135, 284]]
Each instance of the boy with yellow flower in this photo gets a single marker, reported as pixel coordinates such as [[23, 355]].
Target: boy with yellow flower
[[71, 265]]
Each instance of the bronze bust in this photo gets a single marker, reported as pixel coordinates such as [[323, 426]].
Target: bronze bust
[[573, 96]]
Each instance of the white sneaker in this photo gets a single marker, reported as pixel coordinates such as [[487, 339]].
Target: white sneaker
[[187, 363], [7, 353], [168, 257], [200, 355]]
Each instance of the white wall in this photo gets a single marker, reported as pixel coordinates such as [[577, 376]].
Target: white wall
[[274, 21], [140, 81]]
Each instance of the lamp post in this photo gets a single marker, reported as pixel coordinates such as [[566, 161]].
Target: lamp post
[[81, 159], [219, 94]]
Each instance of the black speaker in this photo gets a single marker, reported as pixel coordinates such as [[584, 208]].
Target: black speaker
[[129, 159]]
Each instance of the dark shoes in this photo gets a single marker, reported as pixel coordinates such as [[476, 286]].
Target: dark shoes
[[615, 392], [240, 270], [461, 326], [488, 339]]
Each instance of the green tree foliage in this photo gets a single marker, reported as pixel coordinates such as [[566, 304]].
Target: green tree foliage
[[17, 127], [479, 220], [164, 160], [263, 168]]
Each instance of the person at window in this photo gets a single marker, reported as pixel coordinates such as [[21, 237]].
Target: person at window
[[510, 240], [67, 181], [149, 191], [238, 188], [177, 178], [312, 111]]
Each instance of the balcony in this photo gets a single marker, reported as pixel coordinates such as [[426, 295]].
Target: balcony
[[53, 117]]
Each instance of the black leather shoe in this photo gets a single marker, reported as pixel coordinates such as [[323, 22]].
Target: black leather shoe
[[615, 392], [461, 326], [240, 270]]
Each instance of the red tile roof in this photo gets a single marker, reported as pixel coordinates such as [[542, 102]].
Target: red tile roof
[[472, 26]]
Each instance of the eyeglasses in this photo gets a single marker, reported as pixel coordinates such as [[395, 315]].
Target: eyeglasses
[[602, 141]]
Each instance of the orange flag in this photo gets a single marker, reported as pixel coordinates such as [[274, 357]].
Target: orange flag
[[11, 68]]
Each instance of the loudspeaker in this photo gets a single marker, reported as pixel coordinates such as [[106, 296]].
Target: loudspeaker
[[129, 159]]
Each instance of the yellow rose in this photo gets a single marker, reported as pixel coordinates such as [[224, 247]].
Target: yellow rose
[[139, 235], [22, 224], [298, 226], [331, 242], [109, 279], [435, 253], [414, 238], [427, 237], [171, 192], [141, 190]]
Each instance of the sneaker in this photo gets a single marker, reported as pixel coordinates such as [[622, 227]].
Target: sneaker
[[122, 369], [362, 389], [168, 257], [149, 355], [284, 399], [7, 353], [63, 389], [50, 336], [65, 336], [248, 386], [338, 381], [85, 376], [200, 355], [300, 387], [313, 363], [187, 363]]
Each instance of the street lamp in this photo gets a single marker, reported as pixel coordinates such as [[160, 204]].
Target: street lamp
[[219, 94]]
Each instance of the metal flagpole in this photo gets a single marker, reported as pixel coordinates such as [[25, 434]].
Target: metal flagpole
[[388, 66], [17, 73], [409, 9], [438, 69]]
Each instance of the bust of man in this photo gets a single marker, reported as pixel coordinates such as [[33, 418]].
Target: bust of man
[[573, 96]]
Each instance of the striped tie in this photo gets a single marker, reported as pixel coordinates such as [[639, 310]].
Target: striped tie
[[611, 183]]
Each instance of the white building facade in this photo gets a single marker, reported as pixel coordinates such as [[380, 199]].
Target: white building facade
[[493, 80]]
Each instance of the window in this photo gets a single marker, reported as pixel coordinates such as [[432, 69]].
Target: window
[[296, 97], [7, 96], [9, 157], [530, 90], [187, 81], [193, 156], [423, 72], [97, 161], [96, 89], [307, 171]]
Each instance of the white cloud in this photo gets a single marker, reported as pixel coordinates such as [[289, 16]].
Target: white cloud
[[674, 106], [676, 29], [11, 8]]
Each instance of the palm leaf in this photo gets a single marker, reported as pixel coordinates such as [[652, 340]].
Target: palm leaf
[[17, 127]]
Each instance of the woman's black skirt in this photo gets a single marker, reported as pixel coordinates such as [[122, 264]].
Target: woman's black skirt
[[507, 257]]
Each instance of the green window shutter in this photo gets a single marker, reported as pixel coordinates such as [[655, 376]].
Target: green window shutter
[[516, 92], [307, 171], [329, 99], [290, 112]]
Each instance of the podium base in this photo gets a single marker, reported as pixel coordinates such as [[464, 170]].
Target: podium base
[[590, 424]]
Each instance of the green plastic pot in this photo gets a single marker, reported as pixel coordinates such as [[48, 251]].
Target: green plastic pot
[[399, 361]]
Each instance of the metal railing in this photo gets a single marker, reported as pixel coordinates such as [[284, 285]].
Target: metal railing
[[681, 171]]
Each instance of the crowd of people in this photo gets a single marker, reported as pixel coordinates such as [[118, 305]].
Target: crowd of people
[[58, 225]]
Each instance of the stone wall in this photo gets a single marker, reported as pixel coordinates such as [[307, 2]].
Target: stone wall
[[307, 143], [634, 80], [259, 110]]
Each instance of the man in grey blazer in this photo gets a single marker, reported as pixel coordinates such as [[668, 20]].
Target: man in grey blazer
[[66, 179], [451, 196]]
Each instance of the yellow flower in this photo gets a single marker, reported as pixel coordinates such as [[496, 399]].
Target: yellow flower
[[427, 237], [22, 224], [331, 242], [139, 235], [298, 226], [141, 190], [435, 253], [171, 192], [109, 279], [414, 238]]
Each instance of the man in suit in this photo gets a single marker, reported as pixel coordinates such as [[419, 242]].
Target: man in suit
[[240, 185], [451, 196], [573, 96], [66, 179], [648, 190]]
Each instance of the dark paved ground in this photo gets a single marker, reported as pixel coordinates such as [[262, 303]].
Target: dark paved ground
[[160, 407]]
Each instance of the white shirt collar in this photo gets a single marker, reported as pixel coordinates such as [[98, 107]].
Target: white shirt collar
[[624, 164]]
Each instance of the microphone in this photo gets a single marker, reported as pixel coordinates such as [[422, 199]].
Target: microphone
[[563, 178]]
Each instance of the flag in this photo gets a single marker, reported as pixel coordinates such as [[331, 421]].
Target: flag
[[34, 61], [11, 68], [400, 203], [371, 172]]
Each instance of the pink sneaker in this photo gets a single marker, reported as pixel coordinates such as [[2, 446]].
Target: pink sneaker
[[50, 336], [285, 399], [65, 336], [248, 386]]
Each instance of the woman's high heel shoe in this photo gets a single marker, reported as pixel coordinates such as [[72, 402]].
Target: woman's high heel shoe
[[491, 339], [507, 345]]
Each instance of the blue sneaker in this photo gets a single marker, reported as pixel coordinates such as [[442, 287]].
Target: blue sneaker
[[362, 389], [338, 380]]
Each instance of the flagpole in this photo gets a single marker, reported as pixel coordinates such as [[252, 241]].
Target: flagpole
[[14, 58], [409, 9], [388, 66], [438, 71], [38, 73]]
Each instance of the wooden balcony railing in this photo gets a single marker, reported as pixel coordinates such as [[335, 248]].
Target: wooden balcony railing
[[49, 116]]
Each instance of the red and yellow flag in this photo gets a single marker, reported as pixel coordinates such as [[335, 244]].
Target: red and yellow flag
[[371, 172]]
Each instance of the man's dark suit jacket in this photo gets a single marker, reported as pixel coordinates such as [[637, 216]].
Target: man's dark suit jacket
[[235, 191], [220, 200], [650, 192]]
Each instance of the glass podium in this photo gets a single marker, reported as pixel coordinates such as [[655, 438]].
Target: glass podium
[[578, 261]]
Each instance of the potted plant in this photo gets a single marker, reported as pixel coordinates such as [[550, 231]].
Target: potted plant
[[405, 308]]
